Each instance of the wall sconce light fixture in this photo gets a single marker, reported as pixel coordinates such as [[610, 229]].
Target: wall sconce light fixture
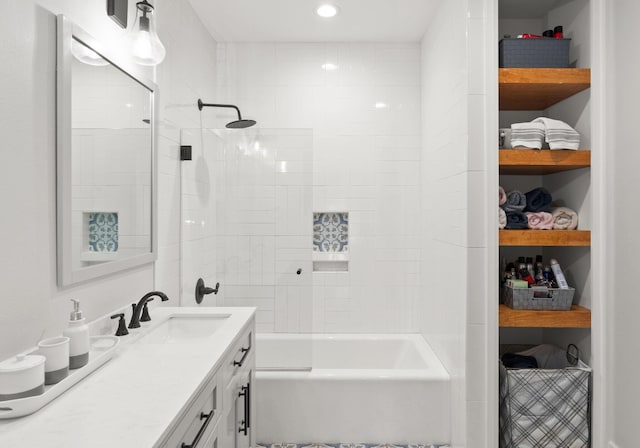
[[147, 49]]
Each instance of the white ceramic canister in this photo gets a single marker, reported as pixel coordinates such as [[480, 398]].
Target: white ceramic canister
[[21, 377], [56, 350]]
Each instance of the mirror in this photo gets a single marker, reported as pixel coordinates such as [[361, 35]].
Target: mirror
[[106, 176]]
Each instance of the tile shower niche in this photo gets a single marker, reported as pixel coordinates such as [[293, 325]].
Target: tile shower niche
[[331, 241], [100, 236]]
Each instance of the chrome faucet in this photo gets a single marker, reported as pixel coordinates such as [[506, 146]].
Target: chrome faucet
[[137, 308]]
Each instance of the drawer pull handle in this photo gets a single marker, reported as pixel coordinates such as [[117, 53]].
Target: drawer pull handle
[[245, 353], [207, 419], [246, 423]]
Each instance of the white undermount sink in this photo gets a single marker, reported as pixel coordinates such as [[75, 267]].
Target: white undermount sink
[[178, 329]]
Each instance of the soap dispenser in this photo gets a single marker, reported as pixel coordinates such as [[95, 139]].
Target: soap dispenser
[[78, 333]]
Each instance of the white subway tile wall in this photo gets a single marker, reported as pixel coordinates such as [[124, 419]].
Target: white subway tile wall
[[365, 117], [247, 222], [456, 153]]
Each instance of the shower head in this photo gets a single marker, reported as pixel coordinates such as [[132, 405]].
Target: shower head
[[241, 124], [237, 124]]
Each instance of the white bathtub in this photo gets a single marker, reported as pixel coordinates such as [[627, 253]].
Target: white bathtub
[[361, 388]]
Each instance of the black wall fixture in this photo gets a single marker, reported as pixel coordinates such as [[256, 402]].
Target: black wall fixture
[[118, 11], [238, 124], [202, 290], [185, 152]]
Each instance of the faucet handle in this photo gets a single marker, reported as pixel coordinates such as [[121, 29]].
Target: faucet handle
[[145, 312], [135, 320], [122, 327]]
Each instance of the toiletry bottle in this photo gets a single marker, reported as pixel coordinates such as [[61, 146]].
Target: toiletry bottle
[[525, 275], [78, 333], [558, 32], [521, 267], [559, 275], [539, 267], [530, 266]]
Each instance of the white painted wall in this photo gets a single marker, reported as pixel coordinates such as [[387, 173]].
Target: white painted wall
[[31, 304], [623, 308], [459, 181], [365, 162]]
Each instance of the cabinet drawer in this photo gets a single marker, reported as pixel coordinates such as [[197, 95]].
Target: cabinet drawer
[[237, 418], [239, 356], [214, 440], [200, 420]]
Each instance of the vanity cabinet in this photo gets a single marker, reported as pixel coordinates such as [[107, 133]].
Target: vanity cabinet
[[221, 415], [239, 409], [201, 419]]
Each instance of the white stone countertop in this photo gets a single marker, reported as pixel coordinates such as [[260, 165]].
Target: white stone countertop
[[134, 398]]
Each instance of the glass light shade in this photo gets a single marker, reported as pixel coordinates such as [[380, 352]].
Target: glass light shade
[[146, 46]]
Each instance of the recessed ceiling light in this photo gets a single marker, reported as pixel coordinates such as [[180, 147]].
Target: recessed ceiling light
[[381, 105], [327, 11], [329, 66]]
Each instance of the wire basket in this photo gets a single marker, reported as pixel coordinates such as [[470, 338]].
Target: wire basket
[[554, 299]]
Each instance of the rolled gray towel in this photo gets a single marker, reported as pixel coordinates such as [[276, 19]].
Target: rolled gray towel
[[516, 202], [538, 200], [516, 220]]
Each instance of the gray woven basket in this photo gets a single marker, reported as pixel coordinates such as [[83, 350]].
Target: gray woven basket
[[529, 53], [532, 299]]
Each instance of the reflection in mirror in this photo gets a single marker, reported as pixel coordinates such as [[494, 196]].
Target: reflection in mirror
[[111, 168], [106, 161]]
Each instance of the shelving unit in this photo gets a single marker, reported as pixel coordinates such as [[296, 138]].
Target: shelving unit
[[539, 88], [577, 317], [539, 162], [563, 94], [528, 237]]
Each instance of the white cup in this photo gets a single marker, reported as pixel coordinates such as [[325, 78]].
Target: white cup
[[56, 350]]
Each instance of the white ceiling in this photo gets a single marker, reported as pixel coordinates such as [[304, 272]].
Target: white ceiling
[[296, 20]]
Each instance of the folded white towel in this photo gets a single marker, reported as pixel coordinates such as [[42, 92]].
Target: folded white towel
[[528, 135], [502, 219], [564, 218], [558, 134]]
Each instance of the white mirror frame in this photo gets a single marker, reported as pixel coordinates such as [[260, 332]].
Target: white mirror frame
[[66, 274]]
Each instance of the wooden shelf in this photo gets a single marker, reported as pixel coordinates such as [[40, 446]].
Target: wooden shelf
[[528, 237], [539, 88], [578, 317], [533, 161]]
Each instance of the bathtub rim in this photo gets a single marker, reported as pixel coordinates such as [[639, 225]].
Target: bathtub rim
[[435, 370]]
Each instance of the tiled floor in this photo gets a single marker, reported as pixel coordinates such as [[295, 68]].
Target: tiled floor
[[345, 445]]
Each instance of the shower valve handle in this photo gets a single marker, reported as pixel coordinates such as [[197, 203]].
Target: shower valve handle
[[202, 290]]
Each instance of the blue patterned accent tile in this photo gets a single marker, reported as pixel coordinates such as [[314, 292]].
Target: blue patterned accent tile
[[331, 232], [103, 232]]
